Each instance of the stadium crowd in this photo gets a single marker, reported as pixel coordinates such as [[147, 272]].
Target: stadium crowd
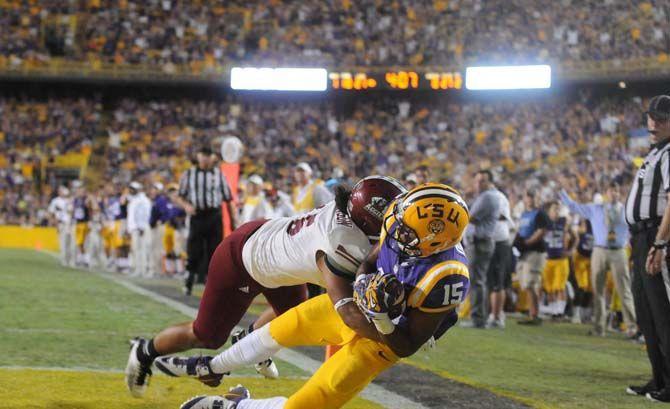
[[205, 35], [154, 141], [584, 150]]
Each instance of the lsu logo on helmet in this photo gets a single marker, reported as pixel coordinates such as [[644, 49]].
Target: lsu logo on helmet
[[428, 219]]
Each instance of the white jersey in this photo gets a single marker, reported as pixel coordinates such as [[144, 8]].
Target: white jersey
[[282, 251], [61, 208]]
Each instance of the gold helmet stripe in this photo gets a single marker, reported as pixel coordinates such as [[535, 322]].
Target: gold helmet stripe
[[434, 192]]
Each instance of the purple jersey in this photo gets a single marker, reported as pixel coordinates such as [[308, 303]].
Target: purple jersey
[[555, 239], [433, 284]]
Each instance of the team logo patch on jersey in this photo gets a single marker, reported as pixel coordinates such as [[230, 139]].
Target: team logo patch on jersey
[[436, 226], [377, 206]]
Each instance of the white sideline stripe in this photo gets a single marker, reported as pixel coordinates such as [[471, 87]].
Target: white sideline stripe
[[60, 368], [372, 392], [84, 369]]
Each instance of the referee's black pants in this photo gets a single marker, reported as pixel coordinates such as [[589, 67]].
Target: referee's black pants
[[204, 234], [652, 308]]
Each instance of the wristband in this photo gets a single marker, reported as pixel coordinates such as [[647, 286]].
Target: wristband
[[383, 323], [660, 244], [342, 302]]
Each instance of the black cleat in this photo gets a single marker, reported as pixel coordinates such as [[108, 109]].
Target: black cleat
[[641, 390], [138, 373], [662, 396]]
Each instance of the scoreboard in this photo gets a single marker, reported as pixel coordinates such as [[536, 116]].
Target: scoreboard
[[395, 80], [429, 79]]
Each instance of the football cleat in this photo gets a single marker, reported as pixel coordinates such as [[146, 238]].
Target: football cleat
[[228, 401], [195, 367], [267, 368], [137, 373], [642, 390]]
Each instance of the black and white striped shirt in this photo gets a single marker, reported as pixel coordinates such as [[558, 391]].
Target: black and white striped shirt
[[204, 188], [648, 195]]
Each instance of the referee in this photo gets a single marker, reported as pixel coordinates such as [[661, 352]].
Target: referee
[[648, 217], [202, 188]]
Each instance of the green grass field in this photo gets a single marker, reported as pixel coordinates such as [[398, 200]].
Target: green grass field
[[64, 332], [553, 366], [64, 340]]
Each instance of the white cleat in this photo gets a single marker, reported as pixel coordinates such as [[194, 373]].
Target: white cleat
[[138, 374], [228, 401]]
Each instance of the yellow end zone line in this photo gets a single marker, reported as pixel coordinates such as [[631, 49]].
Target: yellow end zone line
[[447, 375]]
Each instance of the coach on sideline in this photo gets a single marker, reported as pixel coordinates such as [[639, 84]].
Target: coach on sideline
[[484, 214], [648, 217], [202, 188]]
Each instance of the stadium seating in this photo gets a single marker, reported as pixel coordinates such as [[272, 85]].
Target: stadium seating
[[154, 140], [202, 37]]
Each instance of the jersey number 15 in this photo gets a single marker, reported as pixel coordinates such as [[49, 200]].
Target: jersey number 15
[[453, 294]]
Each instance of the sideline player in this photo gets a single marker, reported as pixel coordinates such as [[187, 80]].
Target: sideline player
[[557, 269], [81, 213], [275, 258], [60, 208], [419, 255]]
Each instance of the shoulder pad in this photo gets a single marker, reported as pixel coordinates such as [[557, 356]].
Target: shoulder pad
[[443, 287]]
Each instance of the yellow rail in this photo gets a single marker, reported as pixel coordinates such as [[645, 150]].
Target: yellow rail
[[198, 71]]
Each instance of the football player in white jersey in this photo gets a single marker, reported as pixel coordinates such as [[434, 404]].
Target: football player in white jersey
[[276, 258], [61, 209]]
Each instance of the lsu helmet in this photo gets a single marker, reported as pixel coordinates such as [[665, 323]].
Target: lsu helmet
[[368, 201], [429, 218]]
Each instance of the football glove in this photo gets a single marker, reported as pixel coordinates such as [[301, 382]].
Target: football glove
[[381, 298]]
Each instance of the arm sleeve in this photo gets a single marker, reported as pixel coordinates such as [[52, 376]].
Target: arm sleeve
[[665, 171], [132, 210], [183, 185], [226, 194], [485, 207], [346, 251], [146, 214], [583, 210], [153, 219]]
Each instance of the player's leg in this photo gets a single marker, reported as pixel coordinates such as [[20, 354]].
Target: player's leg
[[533, 264], [336, 382], [222, 306], [548, 280], [63, 243], [281, 300], [194, 250], [314, 322], [561, 277], [618, 261], [343, 375], [598, 279]]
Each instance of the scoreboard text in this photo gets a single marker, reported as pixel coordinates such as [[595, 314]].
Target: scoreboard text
[[396, 80]]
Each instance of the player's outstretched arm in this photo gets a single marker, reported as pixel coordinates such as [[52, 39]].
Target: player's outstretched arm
[[340, 292]]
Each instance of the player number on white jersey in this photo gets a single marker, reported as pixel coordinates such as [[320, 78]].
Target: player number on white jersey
[[453, 294]]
